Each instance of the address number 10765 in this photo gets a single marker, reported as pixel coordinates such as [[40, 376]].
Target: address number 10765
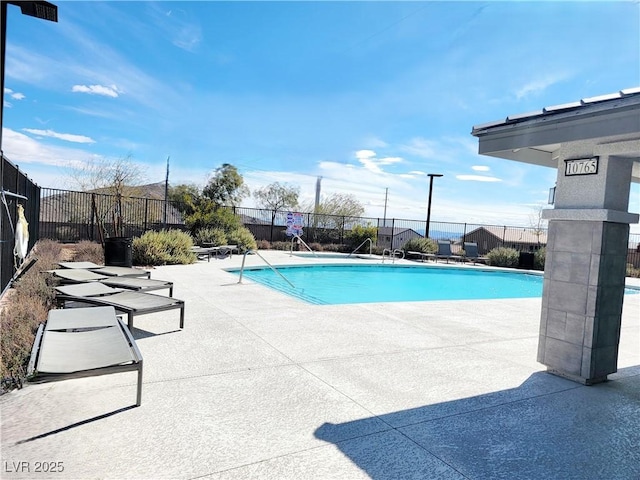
[[585, 166]]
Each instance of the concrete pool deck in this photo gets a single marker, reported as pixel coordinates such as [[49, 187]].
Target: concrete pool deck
[[261, 385]]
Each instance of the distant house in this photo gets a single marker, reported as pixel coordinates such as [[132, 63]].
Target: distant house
[[395, 237], [522, 239]]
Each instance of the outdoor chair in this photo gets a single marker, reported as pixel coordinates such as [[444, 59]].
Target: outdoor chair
[[444, 252], [82, 265], [423, 256], [122, 272], [75, 275], [138, 284], [202, 252], [222, 250], [126, 302], [83, 342], [471, 253]]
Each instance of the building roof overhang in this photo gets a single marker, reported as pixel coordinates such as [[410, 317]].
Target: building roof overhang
[[610, 122]]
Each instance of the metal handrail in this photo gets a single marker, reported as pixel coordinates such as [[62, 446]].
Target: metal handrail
[[301, 241], [358, 247], [244, 257], [392, 254]]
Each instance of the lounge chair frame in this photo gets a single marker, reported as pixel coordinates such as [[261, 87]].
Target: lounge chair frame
[[118, 299], [134, 363]]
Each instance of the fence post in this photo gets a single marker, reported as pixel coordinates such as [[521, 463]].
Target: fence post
[[93, 216], [504, 234], [464, 234], [273, 220], [146, 214]]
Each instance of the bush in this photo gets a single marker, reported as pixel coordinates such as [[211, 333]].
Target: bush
[[263, 245], [632, 271], [27, 305], [503, 257], [211, 216], [243, 238], [359, 234], [423, 245], [167, 247], [539, 258], [216, 236], [86, 251], [286, 246]]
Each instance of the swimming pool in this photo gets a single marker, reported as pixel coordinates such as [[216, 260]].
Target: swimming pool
[[342, 284]]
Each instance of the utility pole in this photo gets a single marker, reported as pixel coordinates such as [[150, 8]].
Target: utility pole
[[430, 175], [384, 217], [166, 194]]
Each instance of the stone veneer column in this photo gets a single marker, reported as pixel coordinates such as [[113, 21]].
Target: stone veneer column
[[585, 270]]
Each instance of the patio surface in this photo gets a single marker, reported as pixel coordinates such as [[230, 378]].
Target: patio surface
[[260, 385]]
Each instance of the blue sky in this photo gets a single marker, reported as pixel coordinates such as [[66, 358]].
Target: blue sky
[[369, 95]]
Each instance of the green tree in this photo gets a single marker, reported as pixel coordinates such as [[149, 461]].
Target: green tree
[[336, 212], [277, 196], [226, 187], [185, 197]]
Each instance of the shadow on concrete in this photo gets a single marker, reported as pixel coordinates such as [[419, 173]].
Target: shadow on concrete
[[547, 427], [139, 334], [74, 425]]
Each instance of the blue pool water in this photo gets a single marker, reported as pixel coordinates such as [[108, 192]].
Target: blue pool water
[[341, 284]]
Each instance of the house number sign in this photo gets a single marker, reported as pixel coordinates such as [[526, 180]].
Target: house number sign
[[583, 166]]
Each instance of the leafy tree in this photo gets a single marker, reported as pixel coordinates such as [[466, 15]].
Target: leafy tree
[[335, 213], [185, 197], [277, 196], [226, 187]]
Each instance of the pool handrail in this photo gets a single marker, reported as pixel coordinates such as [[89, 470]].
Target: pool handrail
[[358, 247], [303, 242], [244, 257], [392, 254]]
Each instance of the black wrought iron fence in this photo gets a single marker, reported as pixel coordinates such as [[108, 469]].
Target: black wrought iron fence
[[17, 189], [70, 216]]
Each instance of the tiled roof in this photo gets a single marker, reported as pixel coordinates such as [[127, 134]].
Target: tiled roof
[[583, 104]]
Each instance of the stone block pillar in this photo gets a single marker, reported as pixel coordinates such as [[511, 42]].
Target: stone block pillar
[[585, 269]]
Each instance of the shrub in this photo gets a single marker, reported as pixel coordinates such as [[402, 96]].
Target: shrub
[[26, 306], [243, 238], [286, 246], [423, 245], [503, 257], [263, 245], [86, 251], [632, 271], [359, 234], [539, 258], [216, 236], [211, 216], [167, 247]]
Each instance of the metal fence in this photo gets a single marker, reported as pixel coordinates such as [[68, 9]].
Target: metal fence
[[16, 189], [70, 216]]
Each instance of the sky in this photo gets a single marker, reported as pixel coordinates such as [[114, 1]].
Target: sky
[[371, 96]]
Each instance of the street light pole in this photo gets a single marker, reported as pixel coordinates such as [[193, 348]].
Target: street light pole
[[38, 9], [430, 175]]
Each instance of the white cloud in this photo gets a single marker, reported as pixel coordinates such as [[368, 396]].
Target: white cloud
[[538, 85], [480, 168], [110, 91], [421, 147], [21, 148], [370, 161], [14, 95], [68, 137], [477, 178]]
